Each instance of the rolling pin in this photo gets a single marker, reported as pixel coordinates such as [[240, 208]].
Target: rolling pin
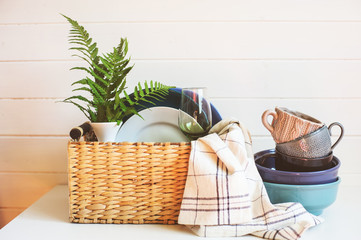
[[77, 132]]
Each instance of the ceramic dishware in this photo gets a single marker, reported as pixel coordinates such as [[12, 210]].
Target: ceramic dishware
[[313, 145], [266, 166], [296, 164], [172, 100], [159, 124], [314, 198], [195, 116], [288, 125]]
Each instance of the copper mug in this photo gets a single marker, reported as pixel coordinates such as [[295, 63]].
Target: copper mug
[[288, 125]]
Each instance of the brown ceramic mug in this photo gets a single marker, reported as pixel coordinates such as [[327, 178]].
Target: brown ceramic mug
[[288, 125]]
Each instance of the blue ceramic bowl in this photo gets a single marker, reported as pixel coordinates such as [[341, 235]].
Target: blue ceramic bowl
[[314, 198], [266, 162]]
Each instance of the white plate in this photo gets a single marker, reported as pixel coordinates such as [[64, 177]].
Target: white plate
[[160, 124]]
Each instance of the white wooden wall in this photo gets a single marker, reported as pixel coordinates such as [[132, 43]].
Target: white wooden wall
[[252, 55]]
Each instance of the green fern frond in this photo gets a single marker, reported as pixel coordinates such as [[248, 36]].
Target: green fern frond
[[82, 89], [146, 88], [79, 36], [81, 98], [82, 109], [81, 69], [83, 81], [158, 92], [129, 100], [106, 80]]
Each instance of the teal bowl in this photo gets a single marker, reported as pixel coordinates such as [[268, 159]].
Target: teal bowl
[[314, 198]]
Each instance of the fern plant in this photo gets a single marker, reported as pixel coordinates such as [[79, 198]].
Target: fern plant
[[106, 80]]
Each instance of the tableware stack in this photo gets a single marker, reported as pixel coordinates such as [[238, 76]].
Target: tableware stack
[[302, 167]]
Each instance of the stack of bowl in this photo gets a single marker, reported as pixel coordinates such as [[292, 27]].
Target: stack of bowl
[[302, 167]]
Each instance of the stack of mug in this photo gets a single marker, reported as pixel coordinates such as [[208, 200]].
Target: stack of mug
[[303, 143]]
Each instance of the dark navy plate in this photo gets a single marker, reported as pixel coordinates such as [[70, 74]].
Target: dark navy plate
[[173, 100]]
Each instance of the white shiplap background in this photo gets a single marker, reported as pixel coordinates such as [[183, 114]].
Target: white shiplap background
[[252, 55]]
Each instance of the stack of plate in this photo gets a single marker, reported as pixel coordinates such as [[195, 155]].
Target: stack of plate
[[159, 123]]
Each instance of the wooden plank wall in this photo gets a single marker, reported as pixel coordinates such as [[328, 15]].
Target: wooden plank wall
[[252, 55]]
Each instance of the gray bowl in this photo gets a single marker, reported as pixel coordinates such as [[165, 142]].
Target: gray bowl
[[313, 145]]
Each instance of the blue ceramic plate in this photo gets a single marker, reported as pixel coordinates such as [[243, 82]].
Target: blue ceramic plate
[[173, 100]]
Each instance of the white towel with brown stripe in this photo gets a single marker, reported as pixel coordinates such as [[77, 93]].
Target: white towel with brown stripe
[[224, 194]]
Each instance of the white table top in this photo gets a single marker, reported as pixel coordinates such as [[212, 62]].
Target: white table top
[[48, 219]]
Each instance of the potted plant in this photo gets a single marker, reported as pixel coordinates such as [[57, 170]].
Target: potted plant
[[105, 80]]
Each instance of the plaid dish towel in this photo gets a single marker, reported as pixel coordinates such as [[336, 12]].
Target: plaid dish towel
[[224, 194]]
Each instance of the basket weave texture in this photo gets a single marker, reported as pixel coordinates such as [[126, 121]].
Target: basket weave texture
[[126, 182]]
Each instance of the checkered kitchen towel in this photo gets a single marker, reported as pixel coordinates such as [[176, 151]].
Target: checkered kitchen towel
[[224, 194]]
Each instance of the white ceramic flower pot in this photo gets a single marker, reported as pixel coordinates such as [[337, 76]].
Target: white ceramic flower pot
[[106, 131]]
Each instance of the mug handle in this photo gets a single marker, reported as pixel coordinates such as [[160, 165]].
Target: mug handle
[[341, 135], [265, 119]]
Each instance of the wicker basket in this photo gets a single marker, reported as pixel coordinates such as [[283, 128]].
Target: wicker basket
[[126, 182]]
